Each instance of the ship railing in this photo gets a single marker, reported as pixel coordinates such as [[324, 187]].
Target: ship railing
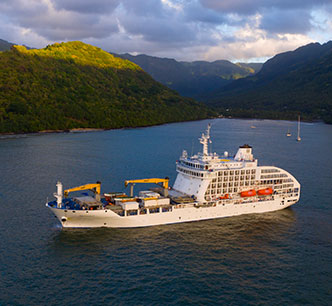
[[183, 205]]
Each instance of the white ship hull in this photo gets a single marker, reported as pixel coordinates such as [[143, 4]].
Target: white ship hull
[[178, 214]]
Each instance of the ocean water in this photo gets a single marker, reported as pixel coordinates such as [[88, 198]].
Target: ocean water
[[279, 258]]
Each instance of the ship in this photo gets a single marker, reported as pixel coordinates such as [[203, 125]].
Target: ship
[[207, 186]]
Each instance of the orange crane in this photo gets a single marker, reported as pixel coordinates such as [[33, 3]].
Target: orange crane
[[150, 180], [95, 188]]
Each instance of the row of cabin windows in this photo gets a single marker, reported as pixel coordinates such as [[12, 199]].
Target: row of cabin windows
[[236, 172], [267, 176], [198, 166], [280, 186], [221, 173], [288, 191], [276, 182], [230, 184], [286, 186], [269, 170], [288, 180], [221, 189], [234, 178], [193, 173], [230, 181], [228, 175], [213, 194], [220, 192]]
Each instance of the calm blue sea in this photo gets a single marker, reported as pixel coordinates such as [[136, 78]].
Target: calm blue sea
[[280, 258]]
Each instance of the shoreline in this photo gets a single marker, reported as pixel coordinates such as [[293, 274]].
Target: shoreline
[[76, 130], [87, 130]]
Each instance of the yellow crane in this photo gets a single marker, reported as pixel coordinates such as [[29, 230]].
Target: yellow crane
[[147, 181], [93, 187]]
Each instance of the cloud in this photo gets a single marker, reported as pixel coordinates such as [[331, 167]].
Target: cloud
[[251, 7], [184, 29], [295, 21], [53, 24], [196, 13], [154, 31], [86, 6], [255, 45], [241, 7], [154, 8]]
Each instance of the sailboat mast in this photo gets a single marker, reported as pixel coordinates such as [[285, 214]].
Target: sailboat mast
[[298, 129]]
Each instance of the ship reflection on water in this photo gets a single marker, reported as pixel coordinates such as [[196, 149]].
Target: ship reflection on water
[[248, 232], [235, 255]]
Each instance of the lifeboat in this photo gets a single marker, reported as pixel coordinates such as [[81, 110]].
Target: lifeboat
[[265, 191], [248, 193], [226, 196]]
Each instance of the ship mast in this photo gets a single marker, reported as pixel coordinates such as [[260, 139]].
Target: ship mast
[[205, 139]]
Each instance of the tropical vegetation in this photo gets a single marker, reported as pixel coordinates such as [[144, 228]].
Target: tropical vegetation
[[291, 83], [75, 85]]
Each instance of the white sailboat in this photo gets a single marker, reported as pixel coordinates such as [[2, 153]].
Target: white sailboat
[[298, 129]]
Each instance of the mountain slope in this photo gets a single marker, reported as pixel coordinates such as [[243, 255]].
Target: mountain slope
[[192, 79], [293, 82], [75, 85], [5, 45]]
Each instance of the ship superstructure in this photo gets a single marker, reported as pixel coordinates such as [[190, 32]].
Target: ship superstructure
[[207, 186], [208, 177]]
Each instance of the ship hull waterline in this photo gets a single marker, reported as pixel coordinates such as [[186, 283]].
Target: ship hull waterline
[[107, 218]]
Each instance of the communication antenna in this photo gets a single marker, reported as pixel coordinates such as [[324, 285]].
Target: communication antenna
[[205, 139]]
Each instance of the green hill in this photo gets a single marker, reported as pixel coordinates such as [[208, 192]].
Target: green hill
[[75, 85], [192, 79], [290, 83]]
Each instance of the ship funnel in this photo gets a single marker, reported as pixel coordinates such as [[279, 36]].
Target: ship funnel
[[244, 153]]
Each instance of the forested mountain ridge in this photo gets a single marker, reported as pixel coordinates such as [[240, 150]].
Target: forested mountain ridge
[[290, 83], [75, 85], [193, 79]]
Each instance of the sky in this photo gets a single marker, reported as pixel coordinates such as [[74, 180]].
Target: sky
[[187, 30]]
